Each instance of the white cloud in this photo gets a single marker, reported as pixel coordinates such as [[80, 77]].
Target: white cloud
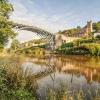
[[22, 15]]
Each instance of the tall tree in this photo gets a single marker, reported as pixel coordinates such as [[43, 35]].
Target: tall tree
[[15, 44], [96, 26], [6, 31]]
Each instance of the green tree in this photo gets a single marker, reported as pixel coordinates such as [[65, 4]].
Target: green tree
[[96, 26], [98, 37], [79, 27], [15, 44], [6, 31]]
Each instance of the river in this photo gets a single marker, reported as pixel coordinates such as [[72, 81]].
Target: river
[[74, 72]]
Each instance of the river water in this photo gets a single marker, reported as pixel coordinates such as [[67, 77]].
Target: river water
[[74, 72]]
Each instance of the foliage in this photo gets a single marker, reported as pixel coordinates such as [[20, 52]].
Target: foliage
[[66, 48], [70, 44], [81, 47], [5, 8], [71, 32], [74, 51], [65, 94], [15, 44], [12, 85], [6, 31], [98, 37], [86, 48], [93, 48], [81, 41], [96, 26]]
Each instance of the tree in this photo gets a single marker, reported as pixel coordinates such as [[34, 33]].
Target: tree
[[15, 44], [79, 27], [6, 31], [96, 26], [98, 37], [5, 8]]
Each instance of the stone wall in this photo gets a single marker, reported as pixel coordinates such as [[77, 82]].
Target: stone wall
[[60, 39]]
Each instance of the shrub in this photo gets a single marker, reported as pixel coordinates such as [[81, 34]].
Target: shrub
[[81, 41], [67, 45], [98, 37], [93, 48], [79, 51], [84, 48], [10, 88]]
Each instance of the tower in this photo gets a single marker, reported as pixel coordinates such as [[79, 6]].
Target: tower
[[89, 26]]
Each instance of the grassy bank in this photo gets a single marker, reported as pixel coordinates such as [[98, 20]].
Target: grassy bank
[[81, 47]]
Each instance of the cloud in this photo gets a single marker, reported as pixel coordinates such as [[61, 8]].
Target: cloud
[[21, 14]]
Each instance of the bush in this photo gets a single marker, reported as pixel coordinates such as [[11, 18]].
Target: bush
[[70, 44], [93, 48], [98, 37], [10, 90], [81, 41], [84, 48], [79, 51]]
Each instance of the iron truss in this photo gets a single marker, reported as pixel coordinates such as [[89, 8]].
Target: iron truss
[[40, 32]]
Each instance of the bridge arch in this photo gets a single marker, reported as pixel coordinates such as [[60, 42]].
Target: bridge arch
[[40, 32]]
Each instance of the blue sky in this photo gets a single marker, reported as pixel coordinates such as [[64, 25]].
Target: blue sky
[[55, 15]]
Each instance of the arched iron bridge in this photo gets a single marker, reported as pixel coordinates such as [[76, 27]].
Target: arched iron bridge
[[40, 32]]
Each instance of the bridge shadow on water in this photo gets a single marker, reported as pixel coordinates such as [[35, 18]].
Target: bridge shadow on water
[[73, 72]]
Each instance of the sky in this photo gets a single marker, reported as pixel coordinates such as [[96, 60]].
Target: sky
[[53, 15]]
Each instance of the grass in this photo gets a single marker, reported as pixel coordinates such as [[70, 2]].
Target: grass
[[65, 94], [13, 86]]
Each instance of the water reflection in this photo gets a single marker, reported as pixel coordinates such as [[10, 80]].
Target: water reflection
[[77, 66], [74, 72], [30, 68]]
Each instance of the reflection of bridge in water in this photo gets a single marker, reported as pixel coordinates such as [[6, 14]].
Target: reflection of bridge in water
[[68, 65]]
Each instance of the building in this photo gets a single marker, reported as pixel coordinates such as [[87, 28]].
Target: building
[[85, 31], [61, 38]]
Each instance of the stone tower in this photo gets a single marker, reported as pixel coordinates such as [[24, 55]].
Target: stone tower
[[89, 27]]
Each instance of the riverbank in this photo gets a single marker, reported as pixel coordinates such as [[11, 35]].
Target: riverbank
[[81, 47]]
